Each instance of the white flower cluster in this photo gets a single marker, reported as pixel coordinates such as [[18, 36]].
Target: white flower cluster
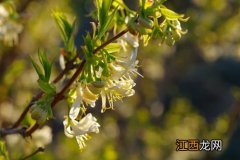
[[110, 89], [9, 29]]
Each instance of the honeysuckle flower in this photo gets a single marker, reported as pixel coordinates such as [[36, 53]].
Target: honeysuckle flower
[[80, 128], [86, 125], [86, 96], [118, 85], [125, 62], [116, 90], [9, 32], [129, 49], [3, 13], [81, 140], [75, 108], [9, 29]]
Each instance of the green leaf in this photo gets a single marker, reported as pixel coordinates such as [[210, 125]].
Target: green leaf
[[42, 111], [47, 65], [47, 101], [113, 47], [38, 69], [46, 87], [169, 14], [89, 46], [66, 29], [104, 17]]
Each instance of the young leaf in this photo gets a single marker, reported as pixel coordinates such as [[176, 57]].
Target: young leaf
[[113, 47], [47, 66], [38, 69], [104, 17], [46, 87], [66, 29], [169, 14]]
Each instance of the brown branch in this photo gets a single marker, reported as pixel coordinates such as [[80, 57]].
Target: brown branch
[[30, 130], [40, 149], [4, 132]]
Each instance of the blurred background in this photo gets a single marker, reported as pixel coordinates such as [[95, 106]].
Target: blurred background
[[189, 91]]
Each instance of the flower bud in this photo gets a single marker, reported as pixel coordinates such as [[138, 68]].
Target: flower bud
[[38, 114], [156, 14], [99, 84], [96, 87], [145, 22], [149, 3], [132, 28]]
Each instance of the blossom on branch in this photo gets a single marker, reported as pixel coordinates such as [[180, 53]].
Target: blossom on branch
[[81, 128], [9, 28]]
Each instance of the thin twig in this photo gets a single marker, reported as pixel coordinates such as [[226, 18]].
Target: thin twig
[[17, 123], [40, 149], [111, 40]]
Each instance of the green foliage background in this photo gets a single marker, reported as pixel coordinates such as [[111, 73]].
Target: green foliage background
[[190, 90]]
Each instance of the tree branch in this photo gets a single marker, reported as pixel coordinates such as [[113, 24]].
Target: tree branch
[[59, 96], [4, 132]]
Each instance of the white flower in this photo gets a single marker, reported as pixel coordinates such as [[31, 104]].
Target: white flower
[[128, 53], [9, 29], [3, 12], [116, 90], [80, 129], [75, 109], [86, 125], [86, 95]]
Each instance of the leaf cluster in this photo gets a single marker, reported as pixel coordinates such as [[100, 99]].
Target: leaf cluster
[[43, 105], [96, 65], [44, 73], [66, 29], [157, 21]]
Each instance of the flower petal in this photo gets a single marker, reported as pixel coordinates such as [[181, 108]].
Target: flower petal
[[75, 109]]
